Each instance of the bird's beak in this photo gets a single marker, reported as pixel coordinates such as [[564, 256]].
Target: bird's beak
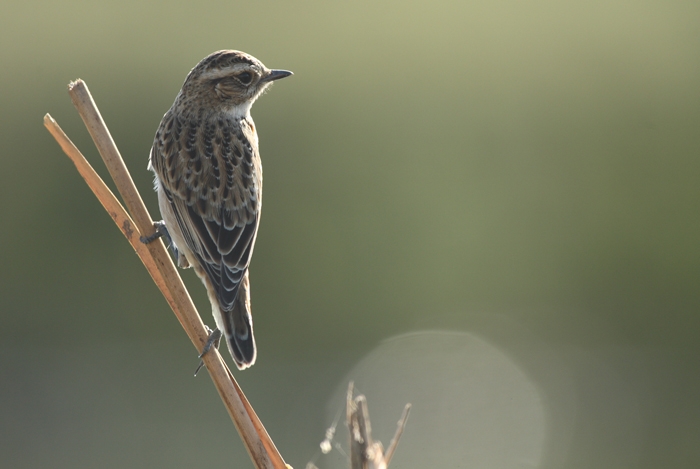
[[276, 75]]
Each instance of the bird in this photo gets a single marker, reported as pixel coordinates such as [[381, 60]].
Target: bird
[[208, 177]]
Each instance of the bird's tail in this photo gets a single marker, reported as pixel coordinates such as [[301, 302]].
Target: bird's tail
[[240, 339]]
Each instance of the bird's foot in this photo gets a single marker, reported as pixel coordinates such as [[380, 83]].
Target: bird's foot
[[214, 339], [161, 230]]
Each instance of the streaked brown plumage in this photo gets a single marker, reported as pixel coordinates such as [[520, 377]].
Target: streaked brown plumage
[[209, 183]]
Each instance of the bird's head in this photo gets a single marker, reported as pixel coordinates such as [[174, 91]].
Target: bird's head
[[229, 81]]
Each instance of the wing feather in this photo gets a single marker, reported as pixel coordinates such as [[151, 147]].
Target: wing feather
[[212, 177]]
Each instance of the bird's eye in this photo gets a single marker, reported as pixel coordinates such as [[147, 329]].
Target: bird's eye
[[245, 77]]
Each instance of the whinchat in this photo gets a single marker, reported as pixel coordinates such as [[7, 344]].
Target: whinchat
[[208, 176]]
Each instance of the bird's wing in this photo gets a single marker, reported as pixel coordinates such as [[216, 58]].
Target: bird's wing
[[211, 174]]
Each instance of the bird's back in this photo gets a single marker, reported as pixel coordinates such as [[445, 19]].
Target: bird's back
[[210, 181]]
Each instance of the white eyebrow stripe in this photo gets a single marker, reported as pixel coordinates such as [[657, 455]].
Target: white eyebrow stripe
[[222, 72]]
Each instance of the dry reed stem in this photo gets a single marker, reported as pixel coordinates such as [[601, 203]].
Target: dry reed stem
[[365, 453], [161, 268], [400, 426]]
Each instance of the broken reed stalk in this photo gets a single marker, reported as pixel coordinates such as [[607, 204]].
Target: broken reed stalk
[[365, 453], [400, 426], [161, 268]]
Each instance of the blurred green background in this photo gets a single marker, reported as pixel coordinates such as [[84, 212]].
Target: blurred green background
[[525, 174]]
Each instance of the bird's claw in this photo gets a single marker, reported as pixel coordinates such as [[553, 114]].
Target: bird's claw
[[214, 339], [161, 230]]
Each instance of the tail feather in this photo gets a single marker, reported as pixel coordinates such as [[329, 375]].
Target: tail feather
[[239, 334]]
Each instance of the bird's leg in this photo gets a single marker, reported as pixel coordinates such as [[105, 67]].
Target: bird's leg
[[161, 230], [214, 339]]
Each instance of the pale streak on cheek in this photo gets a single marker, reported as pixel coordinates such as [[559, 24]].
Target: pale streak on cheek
[[240, 111]]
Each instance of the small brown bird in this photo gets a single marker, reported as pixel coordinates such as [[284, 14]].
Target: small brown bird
[[209, 183]]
